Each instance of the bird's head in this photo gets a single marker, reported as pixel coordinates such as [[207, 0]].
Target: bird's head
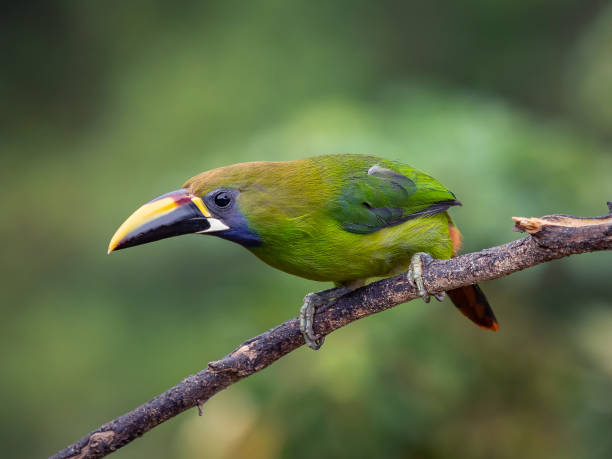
[[209, 203]]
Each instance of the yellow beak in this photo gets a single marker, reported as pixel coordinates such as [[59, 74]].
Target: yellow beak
[[172, 214]]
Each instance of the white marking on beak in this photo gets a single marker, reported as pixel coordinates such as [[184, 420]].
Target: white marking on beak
[[215, 225]]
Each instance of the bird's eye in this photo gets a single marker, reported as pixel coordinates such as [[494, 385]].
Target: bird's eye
[[223, 199]]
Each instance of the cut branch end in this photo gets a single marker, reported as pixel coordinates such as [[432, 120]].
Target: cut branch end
[[536, 224]]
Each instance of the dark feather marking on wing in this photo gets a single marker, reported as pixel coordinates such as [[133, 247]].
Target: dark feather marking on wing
[[383, 200], [385, 215], [395, 220], [435, 208]]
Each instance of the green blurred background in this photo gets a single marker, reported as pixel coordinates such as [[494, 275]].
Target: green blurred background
[[108, 104]]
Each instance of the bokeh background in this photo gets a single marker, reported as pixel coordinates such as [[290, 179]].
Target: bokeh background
[[108, 104]]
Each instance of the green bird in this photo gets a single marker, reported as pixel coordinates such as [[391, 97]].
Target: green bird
[[342, 218]]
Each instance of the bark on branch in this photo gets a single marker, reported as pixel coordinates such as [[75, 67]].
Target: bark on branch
[[551, 237]]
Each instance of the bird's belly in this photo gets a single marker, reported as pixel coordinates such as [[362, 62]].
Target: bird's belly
[[326, 266], [343, 257]]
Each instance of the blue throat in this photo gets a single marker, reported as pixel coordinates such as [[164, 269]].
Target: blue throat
[[240, 236], [239, 231]]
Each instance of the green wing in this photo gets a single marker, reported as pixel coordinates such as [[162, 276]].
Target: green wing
[[387, 194]]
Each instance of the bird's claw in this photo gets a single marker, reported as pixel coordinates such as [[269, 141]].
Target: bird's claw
[[312, 301], [307, 311], [415, 277]]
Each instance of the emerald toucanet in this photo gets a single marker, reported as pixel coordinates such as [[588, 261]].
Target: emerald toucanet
[[340, 218]]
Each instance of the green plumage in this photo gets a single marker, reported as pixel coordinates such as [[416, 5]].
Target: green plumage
[[340, 218]]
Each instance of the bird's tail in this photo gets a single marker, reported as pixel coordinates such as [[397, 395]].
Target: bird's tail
[[474, 305], [470, 300]]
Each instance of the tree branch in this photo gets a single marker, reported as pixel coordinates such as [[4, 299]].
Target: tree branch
[[551, 237]]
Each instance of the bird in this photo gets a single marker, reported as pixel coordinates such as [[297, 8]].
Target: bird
[[341, 218]]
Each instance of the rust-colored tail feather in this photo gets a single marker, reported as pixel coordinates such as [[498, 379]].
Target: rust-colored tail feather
[[474, 305]]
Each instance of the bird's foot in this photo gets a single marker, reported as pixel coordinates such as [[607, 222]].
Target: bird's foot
[[312, 301], [415, 277]]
